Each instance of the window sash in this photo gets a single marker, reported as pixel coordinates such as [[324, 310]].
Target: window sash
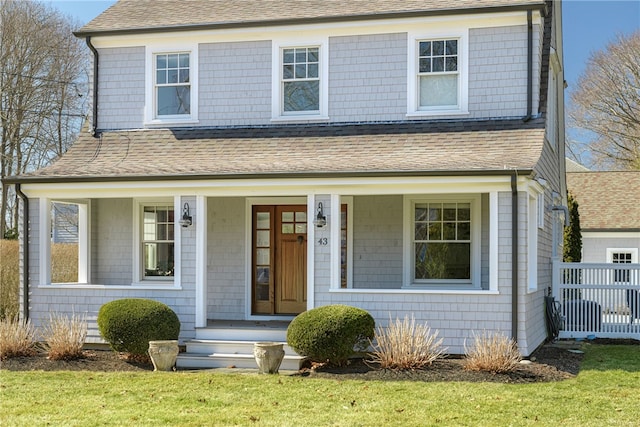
[[442, 246], [438, 74], [172, 81], [157, 242], [300, 80]]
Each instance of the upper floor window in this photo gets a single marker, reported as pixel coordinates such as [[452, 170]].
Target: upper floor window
[[438, 80], [438, 73], [300, 89], [173, 84], [171, 90], [301, 80]]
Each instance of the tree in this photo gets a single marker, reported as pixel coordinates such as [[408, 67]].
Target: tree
[[572, 251], [606, 103], [42, 68]]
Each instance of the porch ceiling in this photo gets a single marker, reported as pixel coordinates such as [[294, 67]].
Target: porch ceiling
[[350, 150]]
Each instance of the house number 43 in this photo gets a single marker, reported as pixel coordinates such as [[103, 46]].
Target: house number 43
[[323, 241]]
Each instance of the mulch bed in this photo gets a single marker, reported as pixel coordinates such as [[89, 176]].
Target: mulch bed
[[551, 362]]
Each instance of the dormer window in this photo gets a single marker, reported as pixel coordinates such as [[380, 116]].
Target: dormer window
[[172, 84]]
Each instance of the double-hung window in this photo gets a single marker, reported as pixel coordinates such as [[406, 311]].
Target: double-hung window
[[171, 91], [299, 85], [622, 256], [157, 242], [172, 84], [438, 75], [301, 80], [443, 241]]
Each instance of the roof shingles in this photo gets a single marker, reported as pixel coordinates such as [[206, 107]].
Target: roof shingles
[[607, 200], [132, 15], [165, 153]]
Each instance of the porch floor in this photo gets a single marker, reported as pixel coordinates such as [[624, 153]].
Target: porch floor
[[247, 324]]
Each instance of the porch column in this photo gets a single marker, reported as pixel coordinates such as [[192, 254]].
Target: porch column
[[334, 241], [201, 261], [494, 216], [44, 207]]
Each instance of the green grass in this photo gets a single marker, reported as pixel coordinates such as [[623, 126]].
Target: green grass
[[605, 393]]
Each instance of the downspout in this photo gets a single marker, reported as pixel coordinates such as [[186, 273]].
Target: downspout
[[25, 251], [514, 256], [94, 122], [529, 66]]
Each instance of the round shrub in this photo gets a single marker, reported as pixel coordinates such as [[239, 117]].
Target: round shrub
[[129, 324], [330, 333]]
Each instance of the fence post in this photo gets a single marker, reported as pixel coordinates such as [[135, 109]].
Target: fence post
[[555, 278]]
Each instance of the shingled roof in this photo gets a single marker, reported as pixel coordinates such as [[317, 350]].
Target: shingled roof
[[607, 200], [150, 15], [300, 151]]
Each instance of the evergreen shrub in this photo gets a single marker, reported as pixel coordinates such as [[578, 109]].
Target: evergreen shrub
[[129, 324]]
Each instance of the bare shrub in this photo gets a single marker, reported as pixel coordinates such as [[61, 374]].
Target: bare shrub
[[9, 279], [493, 353], [406, 345], [17, 338], [64, 336]]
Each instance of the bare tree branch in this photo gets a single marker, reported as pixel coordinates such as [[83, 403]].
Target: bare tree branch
[[606, 103]]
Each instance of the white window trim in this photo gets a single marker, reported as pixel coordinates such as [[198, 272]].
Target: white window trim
[[151, 51], [475, 283], [413, 110], [277, 46], [138, 278], [84, 240], [632, 251]]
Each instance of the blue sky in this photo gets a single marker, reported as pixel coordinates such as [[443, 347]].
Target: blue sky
[[588, 25]]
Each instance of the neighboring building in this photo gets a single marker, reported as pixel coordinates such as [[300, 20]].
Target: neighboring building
[[609, 207], [428, 135]]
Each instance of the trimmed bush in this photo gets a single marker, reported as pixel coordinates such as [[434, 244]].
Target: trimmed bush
[[129, 324], [330, 333]]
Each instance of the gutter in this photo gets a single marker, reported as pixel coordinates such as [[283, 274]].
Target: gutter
[[25, 252], [312, 20], [514, 256], [94, 122], [529, 66]]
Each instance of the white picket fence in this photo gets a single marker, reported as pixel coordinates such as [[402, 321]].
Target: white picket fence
[[597, 300]]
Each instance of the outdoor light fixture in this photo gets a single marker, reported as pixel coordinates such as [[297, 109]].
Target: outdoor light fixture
[[321, 219], [186, 216]]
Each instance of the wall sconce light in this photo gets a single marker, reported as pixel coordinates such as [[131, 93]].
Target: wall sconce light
[[321, 219], [186, 220]]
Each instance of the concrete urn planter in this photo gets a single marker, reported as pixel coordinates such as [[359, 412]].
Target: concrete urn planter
[[268, 356], [163, 354]]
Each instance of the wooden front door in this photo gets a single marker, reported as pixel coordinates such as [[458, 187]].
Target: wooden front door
[[279, 259]]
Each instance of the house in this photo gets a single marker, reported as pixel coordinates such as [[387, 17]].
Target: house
[[609, 215], [249, 160]]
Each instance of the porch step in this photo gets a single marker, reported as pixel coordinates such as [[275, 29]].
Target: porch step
[[205, 354]]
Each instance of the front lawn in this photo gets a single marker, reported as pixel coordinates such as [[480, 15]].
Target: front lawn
[[606, 392]]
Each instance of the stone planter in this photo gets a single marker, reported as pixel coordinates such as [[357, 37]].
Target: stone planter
[[268, 356], [163, 354]]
